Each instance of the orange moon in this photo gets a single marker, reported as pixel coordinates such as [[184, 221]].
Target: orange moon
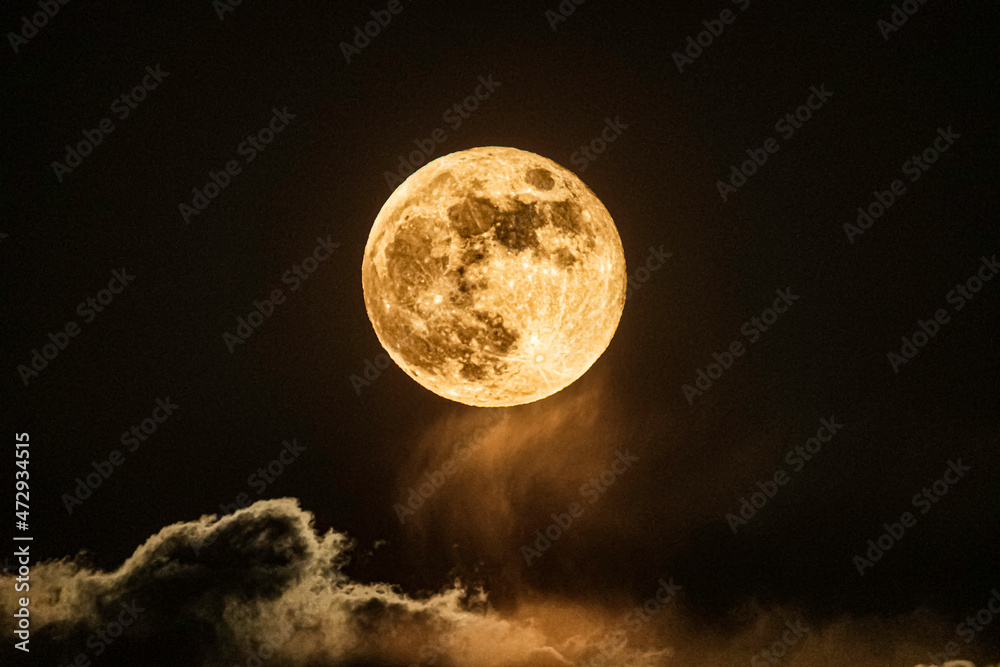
[[494, 277]]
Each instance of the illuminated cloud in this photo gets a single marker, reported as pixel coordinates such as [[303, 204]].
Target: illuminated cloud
[[265, 588]]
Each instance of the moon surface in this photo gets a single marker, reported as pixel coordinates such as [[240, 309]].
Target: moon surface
[[493, 276]]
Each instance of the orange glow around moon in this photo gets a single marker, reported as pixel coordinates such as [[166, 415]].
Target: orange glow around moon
[[493, 276]]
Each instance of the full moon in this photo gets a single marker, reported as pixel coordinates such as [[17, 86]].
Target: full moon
[[494, 277]]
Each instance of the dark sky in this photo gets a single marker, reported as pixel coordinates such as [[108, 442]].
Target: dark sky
[[888, 97]]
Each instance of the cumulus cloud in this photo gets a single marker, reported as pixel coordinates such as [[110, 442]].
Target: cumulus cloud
[[262, 587]]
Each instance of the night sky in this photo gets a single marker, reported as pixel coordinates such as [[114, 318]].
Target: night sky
[[815, 159]]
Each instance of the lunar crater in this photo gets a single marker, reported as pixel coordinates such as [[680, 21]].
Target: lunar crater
[[540, 178]]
